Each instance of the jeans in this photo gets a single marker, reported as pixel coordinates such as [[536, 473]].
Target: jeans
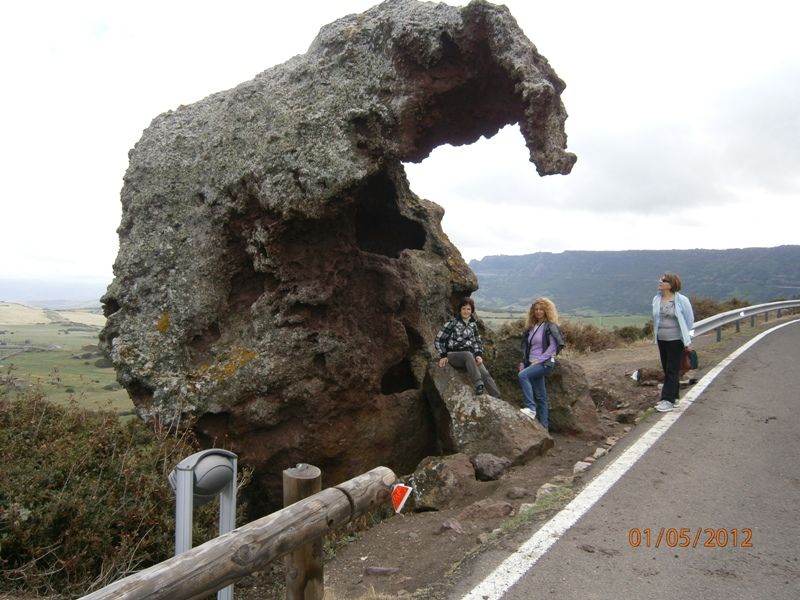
[[478, 373], [534, 392], [671, 353]]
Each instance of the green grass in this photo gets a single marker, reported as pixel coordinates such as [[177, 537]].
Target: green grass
[[610, 321], [60, 359], [495, 320]]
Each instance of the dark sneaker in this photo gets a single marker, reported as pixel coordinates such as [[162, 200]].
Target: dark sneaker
[[479, 389]]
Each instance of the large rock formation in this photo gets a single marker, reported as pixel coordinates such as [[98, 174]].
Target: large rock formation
[[277, 279]]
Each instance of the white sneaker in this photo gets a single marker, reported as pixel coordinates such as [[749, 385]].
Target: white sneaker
[[664, 406], [531, 414]]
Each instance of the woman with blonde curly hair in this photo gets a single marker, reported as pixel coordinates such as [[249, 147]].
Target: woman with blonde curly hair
[[541, 342]]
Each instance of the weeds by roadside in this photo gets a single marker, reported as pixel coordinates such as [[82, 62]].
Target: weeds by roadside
[[84, 497]]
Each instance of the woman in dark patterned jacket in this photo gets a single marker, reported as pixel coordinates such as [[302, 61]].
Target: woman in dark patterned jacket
[[459, 345]]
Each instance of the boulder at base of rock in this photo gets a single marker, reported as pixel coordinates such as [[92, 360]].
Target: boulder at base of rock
[[489, 467], [439, 481], [474, 424], [572, 409]]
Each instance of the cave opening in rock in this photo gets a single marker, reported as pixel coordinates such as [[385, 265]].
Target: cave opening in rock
[[398, 378], [380, 228]]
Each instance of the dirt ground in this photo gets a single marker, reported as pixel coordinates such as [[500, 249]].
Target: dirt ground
[[414, 555]]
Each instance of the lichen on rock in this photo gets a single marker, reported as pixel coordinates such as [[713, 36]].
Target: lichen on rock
[[277, 278]]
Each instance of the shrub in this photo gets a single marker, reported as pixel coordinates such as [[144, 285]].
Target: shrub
[[512, 328], [584, 337], [84, 497], [706, 307], [629, 333]]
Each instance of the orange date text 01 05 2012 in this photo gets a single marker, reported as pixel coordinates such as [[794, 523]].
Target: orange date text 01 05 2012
[[685, 537]]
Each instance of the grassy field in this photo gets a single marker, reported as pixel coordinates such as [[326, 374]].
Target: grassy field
[[495, 320], [57, 351]]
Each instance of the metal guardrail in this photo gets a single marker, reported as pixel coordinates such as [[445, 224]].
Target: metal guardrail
[[717, 322]]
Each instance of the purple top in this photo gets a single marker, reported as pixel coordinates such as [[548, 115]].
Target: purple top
[[537, 352]]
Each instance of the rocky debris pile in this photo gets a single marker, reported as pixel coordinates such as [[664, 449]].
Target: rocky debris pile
[[277, 280]]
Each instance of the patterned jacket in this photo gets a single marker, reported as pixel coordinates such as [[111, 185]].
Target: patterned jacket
[[458, 336]]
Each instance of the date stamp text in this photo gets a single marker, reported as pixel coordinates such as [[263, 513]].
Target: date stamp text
[[685, 537]]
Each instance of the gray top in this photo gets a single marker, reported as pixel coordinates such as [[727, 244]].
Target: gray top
[[668, 328]]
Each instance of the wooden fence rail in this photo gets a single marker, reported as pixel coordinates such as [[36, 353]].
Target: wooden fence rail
[[224, 560]]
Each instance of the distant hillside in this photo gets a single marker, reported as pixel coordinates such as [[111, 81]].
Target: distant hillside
[[19, 314], [55, 294], [624, 282]]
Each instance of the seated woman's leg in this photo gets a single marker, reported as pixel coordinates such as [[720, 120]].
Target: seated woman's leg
[[488, 380], [466, 360]]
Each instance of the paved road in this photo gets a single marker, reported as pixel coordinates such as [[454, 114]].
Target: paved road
[[730, 462]]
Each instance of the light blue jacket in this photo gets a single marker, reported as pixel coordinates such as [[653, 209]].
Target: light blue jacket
[[684, 313]]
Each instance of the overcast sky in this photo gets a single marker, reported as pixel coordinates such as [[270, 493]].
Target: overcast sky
[[685, 117]]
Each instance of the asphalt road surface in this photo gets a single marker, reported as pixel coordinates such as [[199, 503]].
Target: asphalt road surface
[[710, 511]]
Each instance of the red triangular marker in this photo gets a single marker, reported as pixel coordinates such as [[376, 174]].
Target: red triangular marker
[[400, 493]]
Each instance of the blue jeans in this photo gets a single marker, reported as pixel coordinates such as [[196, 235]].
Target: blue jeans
[[534, 392]]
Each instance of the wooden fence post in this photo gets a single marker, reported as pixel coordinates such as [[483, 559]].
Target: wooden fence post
[[304, 570], [230, 557]]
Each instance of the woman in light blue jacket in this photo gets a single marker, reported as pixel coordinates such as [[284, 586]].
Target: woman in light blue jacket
[[673, 326]]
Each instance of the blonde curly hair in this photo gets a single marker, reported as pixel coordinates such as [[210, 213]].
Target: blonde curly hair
[[550, 312]]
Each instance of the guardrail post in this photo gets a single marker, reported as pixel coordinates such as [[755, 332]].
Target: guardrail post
[[719, 333], [752, 320], [779, 313], [737, 326], [766, 316], [304, 570]]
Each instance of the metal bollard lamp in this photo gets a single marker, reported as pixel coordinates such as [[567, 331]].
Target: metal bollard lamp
[[197, 479]]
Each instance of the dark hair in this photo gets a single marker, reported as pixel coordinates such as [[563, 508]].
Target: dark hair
[[673, 280], [465, 302]]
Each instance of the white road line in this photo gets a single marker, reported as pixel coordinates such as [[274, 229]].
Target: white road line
[[515, 566]]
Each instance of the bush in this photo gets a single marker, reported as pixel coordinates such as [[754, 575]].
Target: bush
[[706, 307], [629, 333], [84, 497], [584, 337]]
